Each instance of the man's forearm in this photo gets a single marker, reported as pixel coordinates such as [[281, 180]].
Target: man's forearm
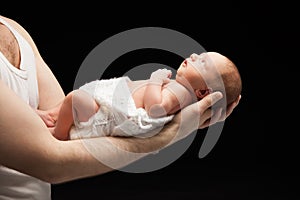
[[94, 156], [89, 157], [108, 153], [76, 159], [31, 149]]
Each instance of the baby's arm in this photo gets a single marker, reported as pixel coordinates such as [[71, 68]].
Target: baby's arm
[[153, 99]]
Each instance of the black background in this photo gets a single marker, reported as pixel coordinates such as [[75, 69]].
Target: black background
[[255, 158]]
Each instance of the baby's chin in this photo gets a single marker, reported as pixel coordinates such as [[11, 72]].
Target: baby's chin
[[178, 78], [181, 80]]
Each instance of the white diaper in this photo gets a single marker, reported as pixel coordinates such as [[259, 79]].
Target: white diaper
[[118, 115]]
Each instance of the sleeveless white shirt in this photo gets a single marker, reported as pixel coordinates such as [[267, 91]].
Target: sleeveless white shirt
[[13, 184]]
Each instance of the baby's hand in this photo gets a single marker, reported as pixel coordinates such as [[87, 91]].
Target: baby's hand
[[161, 76]]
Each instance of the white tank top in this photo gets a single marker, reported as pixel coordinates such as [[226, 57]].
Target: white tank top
[[13, 184]]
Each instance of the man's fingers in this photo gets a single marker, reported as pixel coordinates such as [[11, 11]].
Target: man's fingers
[[205, 118], [210, 100], [205, 124], [212, 119], [202, 111], [216, 117]]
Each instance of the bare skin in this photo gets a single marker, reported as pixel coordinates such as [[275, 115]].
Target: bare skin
[[80, 105], [159, 95], [31, 149]]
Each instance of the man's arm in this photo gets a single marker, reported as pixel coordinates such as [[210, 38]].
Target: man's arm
[[49, 116], [50, 91], [30, 148], [51, 94]]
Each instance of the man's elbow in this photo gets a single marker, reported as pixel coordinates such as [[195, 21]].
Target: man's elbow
[[51, 177]]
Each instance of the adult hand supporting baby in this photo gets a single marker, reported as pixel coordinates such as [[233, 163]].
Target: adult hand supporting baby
[[60, 161], [123, 151], [198, 115]]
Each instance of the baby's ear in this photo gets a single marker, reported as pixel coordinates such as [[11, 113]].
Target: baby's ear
[[202, 93]]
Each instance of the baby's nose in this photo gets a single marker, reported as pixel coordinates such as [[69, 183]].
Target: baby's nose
[[194, 56]]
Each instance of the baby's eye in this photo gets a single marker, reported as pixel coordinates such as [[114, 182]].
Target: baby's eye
[[199, 63]]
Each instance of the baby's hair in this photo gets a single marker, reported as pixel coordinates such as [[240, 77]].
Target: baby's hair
[[232, 83]]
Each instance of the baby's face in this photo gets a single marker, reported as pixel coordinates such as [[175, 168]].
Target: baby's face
[[193, 71]]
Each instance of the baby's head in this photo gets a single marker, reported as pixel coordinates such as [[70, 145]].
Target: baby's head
[[210, 72]]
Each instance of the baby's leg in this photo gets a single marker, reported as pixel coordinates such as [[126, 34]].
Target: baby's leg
[[77, 105], [84, 106]]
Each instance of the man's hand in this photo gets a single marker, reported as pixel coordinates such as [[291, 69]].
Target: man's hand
[[47, 116], [220, 115], [200, 115]]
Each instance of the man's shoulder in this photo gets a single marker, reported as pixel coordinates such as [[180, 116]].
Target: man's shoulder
[[8, 20]]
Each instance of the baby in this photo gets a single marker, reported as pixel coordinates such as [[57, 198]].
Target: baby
[[122, 107]]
